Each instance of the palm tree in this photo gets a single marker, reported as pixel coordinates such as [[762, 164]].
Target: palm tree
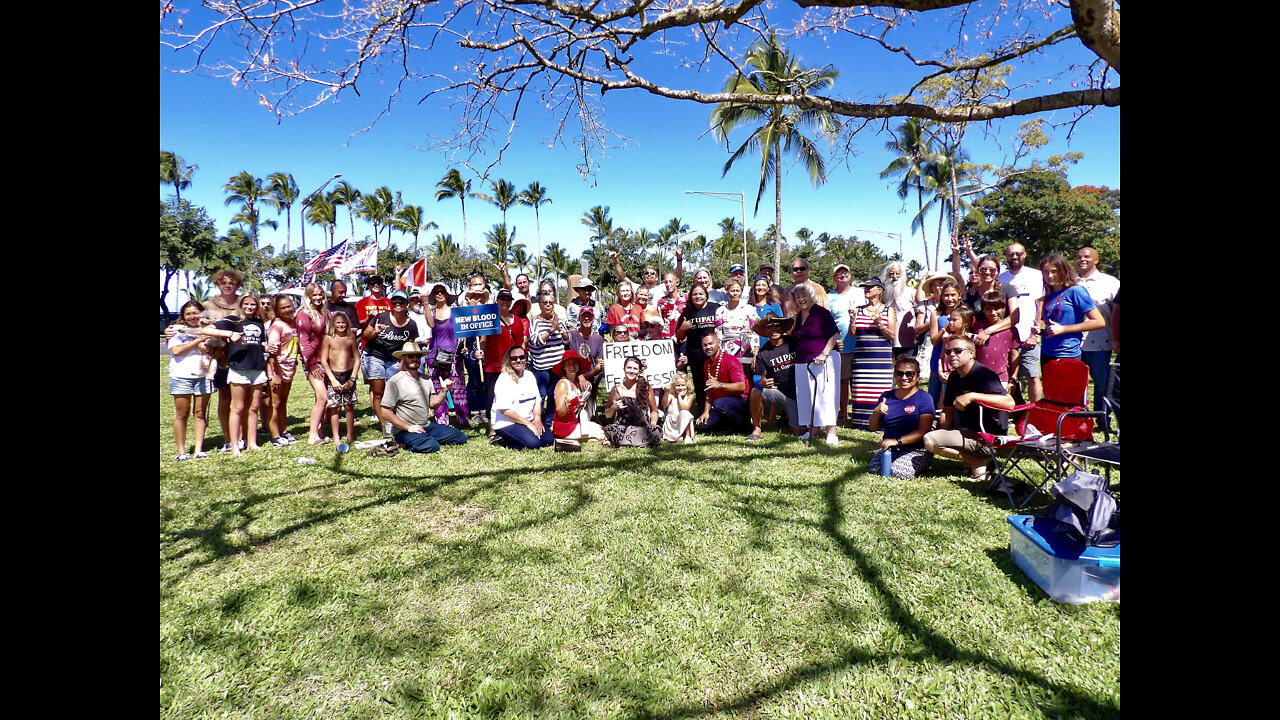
[[535, 197], [555, 259], [176, 172], [246, 189], [379, 208], [942, 176], [914, 149], [283, 193], [451, 186], [520, 258], [669, 234], [504, 196], [501, 243], [771, 70], [598, 221], [409, 220], [323, 211], [696, 249], [344, 193]]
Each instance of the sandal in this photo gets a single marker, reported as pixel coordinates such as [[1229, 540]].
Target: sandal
[[182, 458], [983, 473]]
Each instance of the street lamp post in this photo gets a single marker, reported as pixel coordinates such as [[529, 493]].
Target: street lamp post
[[889, 235], [307, 200], [743, 201]]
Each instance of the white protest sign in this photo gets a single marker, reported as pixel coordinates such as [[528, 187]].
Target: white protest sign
[[659, 357]]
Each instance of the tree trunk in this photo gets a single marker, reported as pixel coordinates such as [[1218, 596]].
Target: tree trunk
[[777, 220], [924, 237], [165, 291]]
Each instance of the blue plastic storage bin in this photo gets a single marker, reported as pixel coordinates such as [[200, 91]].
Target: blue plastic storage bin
[[1063, 567]]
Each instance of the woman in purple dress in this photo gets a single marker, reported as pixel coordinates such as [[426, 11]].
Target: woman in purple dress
[[440, 319]]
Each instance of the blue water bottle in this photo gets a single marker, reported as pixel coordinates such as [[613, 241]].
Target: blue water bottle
[[886, 463]]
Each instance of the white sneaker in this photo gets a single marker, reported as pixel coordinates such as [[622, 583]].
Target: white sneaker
[[804, 436], [832, 440]]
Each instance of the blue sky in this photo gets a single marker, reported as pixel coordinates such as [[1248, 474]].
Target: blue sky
[[223, 130]]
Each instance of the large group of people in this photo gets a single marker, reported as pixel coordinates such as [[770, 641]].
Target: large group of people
[[928, 367]]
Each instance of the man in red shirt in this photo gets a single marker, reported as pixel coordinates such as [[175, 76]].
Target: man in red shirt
[[726, 388], [377, 302]]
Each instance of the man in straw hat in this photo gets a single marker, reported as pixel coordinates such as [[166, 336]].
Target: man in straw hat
[[775, 364], [584, 288], [408, 405]]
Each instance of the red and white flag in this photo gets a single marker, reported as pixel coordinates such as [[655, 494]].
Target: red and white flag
[[413, 276]]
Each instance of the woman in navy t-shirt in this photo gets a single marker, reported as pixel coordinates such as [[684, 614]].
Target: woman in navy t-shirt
[[906, 414]]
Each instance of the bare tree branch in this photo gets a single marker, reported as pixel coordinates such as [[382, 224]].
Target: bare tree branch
[[563, 56]]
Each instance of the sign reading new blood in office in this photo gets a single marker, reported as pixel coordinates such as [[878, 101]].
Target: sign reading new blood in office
[[659, 357], [476, 320]]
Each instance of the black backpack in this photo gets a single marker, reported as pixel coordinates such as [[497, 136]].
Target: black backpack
[[1086, 510]]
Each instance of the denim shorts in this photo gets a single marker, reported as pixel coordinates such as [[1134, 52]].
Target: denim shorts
[[190, 386], [774, 397], [1030, 362], [377, 368]]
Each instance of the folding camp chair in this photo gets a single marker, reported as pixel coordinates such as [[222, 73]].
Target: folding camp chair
[[1107, 453], [1047, 427]]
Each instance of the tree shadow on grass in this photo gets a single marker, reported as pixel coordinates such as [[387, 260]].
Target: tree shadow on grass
[[927, 645], [931, 645]]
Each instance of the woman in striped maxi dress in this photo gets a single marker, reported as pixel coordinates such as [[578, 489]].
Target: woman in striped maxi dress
[[874, 325]]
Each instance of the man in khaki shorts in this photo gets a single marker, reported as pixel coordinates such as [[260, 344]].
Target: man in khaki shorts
[[970, 382]]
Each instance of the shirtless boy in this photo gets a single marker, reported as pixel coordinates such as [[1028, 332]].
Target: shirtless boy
[[340, 358]]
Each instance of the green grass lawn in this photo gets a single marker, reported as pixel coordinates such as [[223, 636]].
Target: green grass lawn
[[723, 579]]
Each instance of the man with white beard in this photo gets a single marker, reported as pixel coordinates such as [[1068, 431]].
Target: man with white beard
[[899, 296]]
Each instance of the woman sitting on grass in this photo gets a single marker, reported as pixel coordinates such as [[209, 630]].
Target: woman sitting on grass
[[188, 379], [517, 415], [630, 406], [571, 421], [906, 414]]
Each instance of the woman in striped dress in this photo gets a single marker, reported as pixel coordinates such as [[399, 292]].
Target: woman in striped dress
[[547, 341], [874, 325]]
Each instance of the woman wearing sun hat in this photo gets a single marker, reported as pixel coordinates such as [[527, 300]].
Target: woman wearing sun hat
[[443, 360], [570, 398]]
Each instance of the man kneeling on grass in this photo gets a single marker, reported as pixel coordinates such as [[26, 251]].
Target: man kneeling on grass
[[406, 406], [971, 381]]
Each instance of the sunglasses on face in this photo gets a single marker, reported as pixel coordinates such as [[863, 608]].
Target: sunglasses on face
[[799, 269], [904, 373], [517, 358], [954, 351]]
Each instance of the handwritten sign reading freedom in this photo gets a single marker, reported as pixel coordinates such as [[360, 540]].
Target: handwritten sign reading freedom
[[659, 357], [476, 320]]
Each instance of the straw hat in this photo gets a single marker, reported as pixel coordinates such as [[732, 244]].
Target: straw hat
[[430, 290], [932, 278], [764, 326], [410, 348]]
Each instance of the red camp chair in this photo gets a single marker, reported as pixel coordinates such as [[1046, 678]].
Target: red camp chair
[[1043, 428]]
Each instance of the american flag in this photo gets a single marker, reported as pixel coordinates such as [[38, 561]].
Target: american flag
[[328, 259], [365, 261]]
